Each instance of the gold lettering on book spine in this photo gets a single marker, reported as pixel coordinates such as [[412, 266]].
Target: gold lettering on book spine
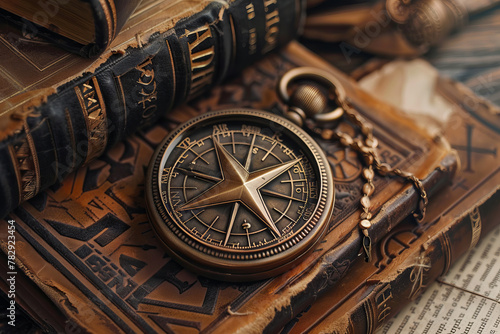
[[201, 58], [475, 220], [381, 299], [148, 91], [417, 275], [23, 154], [252, 32], [272, 17], [91, 102]]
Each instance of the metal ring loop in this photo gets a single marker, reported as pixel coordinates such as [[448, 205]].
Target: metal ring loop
[[321, 76]]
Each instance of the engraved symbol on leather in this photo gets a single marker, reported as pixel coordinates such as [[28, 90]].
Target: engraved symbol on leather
[[417, 275], [241, 188], [470, 148], [345, 164], [395, 243]]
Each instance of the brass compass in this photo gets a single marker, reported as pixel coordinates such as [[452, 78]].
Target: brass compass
[[239, 194]]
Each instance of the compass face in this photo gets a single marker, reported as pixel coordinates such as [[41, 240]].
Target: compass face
[[239, 194]]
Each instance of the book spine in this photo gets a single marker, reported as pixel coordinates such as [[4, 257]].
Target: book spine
[[109, 18], [382, 298], [132, 90]]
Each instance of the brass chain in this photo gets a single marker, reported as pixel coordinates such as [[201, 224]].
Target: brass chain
[[367, 148], [308, 102]]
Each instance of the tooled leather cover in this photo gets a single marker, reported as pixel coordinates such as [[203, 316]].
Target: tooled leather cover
[[410, 258], [88, 245], [59, 111], [109, 17]]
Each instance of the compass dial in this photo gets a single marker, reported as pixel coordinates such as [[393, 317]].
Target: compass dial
[[239, 194]]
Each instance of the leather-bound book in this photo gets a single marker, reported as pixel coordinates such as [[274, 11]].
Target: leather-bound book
[[59, 111], [88, 245], [83, 27], [411, 257]]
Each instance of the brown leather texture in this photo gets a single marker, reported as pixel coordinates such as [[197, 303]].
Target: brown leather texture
[[88, 246]]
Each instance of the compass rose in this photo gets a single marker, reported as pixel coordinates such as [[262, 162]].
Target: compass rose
[[238, 185]]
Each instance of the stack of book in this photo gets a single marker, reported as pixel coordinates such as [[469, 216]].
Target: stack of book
[[77, 135]]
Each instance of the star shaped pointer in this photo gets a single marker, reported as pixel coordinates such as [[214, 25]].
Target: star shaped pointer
[[238, 185]]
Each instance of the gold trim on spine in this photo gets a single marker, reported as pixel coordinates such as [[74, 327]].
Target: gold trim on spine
[[94, 111], [23, 155], [476, 225], [111, 4], [233, 33], [370, 316], [444, 239], [173, 71], [349, 329], [110, 20], [124, 102]]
